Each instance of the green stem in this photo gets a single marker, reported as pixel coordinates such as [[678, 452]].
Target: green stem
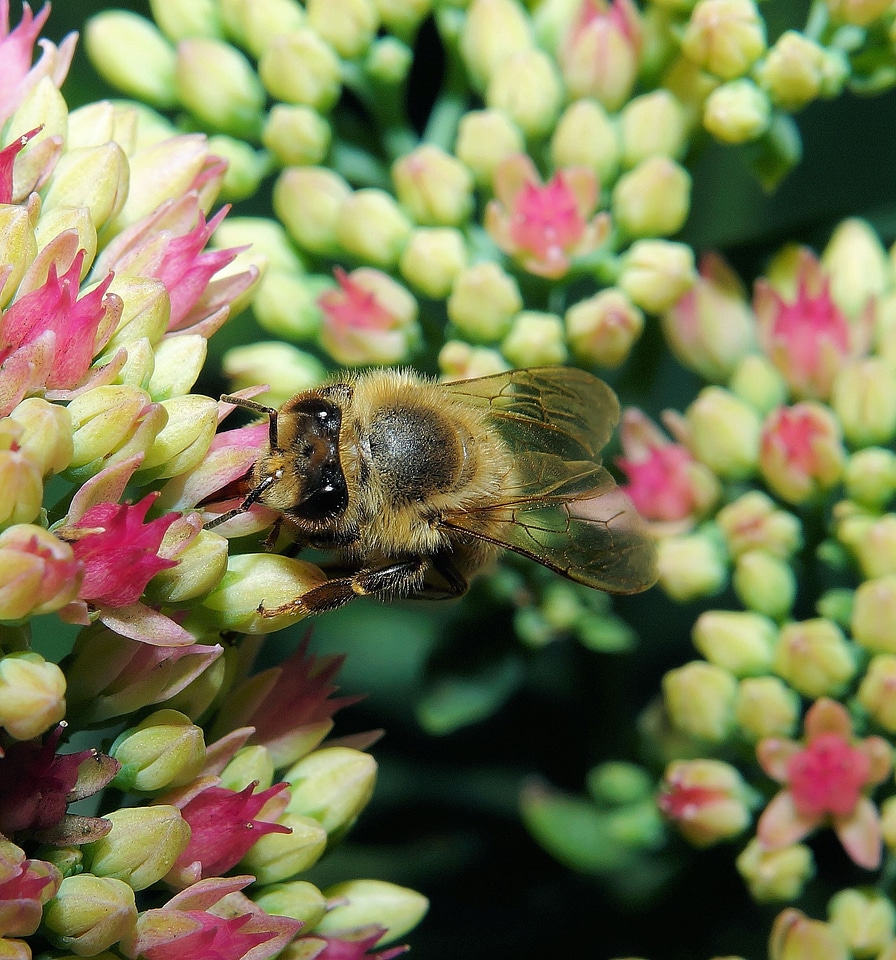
[[817, 21], [359, 166]]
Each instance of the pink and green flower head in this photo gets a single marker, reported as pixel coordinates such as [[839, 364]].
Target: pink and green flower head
[[224, 826], [826, 779], [666, 484], [808, 338], [545, 226]]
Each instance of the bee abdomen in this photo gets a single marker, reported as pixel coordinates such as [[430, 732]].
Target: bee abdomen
[[416, 451]]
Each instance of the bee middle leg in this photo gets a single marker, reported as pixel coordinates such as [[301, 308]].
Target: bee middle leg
[[400, 578]]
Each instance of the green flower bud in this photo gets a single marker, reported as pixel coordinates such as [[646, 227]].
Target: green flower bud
[[46, 437], [603, 329], [142, 845], [179, 19], [90, 913], [435, 188], [93, 177], [483, 302], [795, 937], [585, 136], [700, 699], [874, 543], [856, 263], [253, 764], [133, 56], [766, 707], [298, 899], [109, 424], [724, 433], [402, 17], [691, 566], [253, 582], [737, 112], [459, 360], [875, 692], [372, 227], [757, 381], [145, 314], [246, 168], [864, 399], [432, 260], [870, 477], [296, 135], [764, 583], [164, 750], [254, 24], [18, 247], [619, 783], [217, 84], [349, 26], [184, 440], [652, 125], [775, 875], [724, 37], [388, 61], [332, 785], [307, 200], [493, 31], [866, 920], [42, 105], [656, 273], [527, 87], [873, 623], [61, 219], [21, 487], [286, 304], [32, 695], [484, 139], [300, 67], [740, 642], [754, 522], [363, 902], [178, 362], [535, 339], [286, 369], [707, 800], [857, 13], [279, 856], [796, 70], [652, 199], [815, 658]]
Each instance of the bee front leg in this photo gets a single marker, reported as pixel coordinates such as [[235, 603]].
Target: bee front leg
[[401, 578]]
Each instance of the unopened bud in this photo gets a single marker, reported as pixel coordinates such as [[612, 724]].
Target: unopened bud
[[737, 112], [585, 136], [372, 227], [766, 707], [279, 856], [32, 695], [603, 329], [349, 26], [657, 273], [724, 37], [700, 700], [142, 845], [815, 658], [775, 875], [90, 913], [653, 199], [741, 642], [535, 339], [484, 139], [299, 66], [164, 750], [652, 125], [527, 87], [297, 135], [435, 188], [432, 259], [360, 903], [483, 301], [307, 200]]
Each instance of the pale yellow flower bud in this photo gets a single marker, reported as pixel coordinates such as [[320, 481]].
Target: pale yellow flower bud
[[699, 699], [32, 695], [432, 259], [435, 188], [257, 23], [815, 658], [775, 875], [527, 87], [484, 139], [184, 439], [493, 31], [737, 112], [653, 199], [297, 135], [349, 26], [603, 329], [483, 302], [46, 436], [652, 125], [535, 339], [585, 136], [656, 273], [372, 227], [724, 37], [18, 247], [307, 200], [300, 67]]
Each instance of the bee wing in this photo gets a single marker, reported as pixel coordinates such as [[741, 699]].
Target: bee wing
[[596, 538], [555, 420]]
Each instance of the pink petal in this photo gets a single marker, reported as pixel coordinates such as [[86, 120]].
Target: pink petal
[[774, 755], [139, 622], [781, 825], [827, 716], [860, 834]]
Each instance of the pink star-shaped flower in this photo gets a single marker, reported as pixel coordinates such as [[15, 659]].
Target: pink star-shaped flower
[[545, 226], [826, 778], [808, 338]]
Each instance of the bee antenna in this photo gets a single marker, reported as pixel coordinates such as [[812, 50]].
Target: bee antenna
[[269, 412], [252, 497]]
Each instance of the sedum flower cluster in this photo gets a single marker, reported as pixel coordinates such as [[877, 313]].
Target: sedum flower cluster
[[469, 187], [207, 789]]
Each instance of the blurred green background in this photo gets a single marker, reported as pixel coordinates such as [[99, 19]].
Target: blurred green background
[[471, 714]]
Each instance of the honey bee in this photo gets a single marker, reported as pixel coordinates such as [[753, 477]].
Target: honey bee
[[419, 485]]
